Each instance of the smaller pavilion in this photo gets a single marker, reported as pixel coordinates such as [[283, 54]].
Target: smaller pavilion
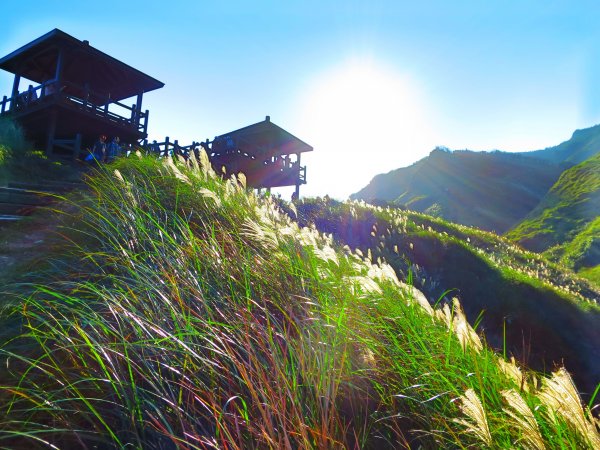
[[66, 93], [265, 153]]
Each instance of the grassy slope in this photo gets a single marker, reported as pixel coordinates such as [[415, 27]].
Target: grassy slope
[[199, 317], [491, 191], [566, 222], [532, 308]]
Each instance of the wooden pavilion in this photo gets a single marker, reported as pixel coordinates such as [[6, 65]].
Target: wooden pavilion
[[73, 93], [265, 153]]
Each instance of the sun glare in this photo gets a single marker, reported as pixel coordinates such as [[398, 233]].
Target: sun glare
[[363, 119]]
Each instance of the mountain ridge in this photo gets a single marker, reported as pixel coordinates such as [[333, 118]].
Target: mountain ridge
[[473, 188], [582, 145]]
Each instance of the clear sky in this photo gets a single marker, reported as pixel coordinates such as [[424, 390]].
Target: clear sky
[[371, 85]]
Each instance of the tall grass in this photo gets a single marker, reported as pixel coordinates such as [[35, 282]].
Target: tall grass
[[21, 161], [199, 316], [12, 141]]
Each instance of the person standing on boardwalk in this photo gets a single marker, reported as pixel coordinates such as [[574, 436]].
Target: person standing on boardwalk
[[113, 149], [99, 149]]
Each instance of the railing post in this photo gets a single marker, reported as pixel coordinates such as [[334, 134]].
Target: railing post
[[3, 104], [176, 149], [166, 146]]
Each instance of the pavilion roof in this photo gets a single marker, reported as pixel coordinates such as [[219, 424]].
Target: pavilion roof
[[82, 64], [266, 139]]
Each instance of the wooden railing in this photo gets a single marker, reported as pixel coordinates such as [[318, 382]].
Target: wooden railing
[[173, 148], [127, 115]]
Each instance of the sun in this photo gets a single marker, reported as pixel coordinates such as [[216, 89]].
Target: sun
[[362, 119]]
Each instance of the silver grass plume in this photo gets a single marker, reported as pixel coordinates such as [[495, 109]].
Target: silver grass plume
[[512, 371], [560, 396], [524, 419], [471, 406]]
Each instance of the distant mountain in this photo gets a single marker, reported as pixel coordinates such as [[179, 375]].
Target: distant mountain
[[582, 145], [492, 191], [567, 218]]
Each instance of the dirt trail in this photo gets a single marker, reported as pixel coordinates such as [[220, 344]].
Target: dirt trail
[[22, 246], [25, 242]]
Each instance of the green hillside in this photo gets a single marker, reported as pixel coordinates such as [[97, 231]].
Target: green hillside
[[183, 312], [582, 253], [492, 191], [525, 305], [583, 145], [566, 221]]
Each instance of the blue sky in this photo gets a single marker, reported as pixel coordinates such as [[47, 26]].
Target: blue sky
[[372, 85]]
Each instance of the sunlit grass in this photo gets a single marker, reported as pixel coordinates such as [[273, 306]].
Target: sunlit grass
[[197, 315]]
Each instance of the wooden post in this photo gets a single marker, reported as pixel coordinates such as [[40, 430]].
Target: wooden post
[[133, 116], [297, 191], [3, 104], [77, 147], [59, 69], [138, 109], [167, 146], [15, 92], [86, 95], [146, 122], [51, 132]]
